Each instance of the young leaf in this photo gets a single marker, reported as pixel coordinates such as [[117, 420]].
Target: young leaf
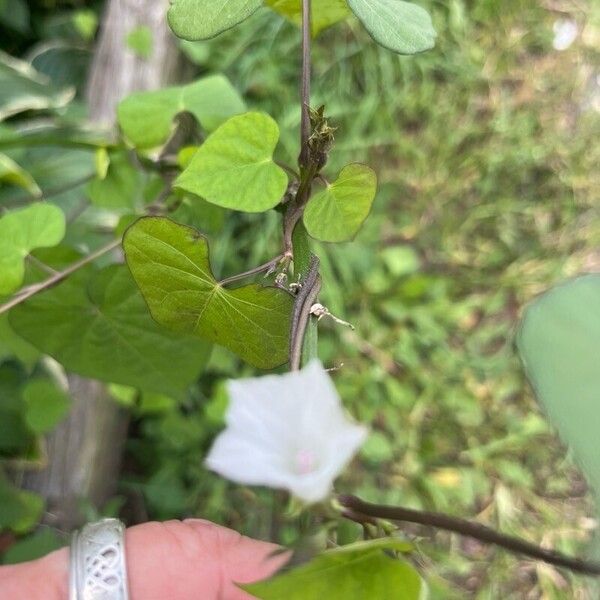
[[361, 571], [40, 225], [211, 100], [234, 168], [559, 343], [203, 19], [96, 324], [170, 264], [400, 26], [338, 212], [324, 12]]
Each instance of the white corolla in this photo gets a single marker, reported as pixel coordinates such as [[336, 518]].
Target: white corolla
[[287, 432]]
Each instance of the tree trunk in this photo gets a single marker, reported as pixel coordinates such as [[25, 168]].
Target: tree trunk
[[85, 451]]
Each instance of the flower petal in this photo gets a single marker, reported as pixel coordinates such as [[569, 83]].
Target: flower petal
[[286, 431]]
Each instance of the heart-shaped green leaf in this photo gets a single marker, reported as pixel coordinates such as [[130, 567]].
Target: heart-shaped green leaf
[[338, 212], [40, 225], [400, 26], [234, 168], [324, 12], [170, 264], [203, 19], [211, 100], [559, 343], [96, 324], [361, 571]]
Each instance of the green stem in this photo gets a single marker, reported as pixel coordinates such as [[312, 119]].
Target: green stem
[[305, 83], [303, 334], [265, 268]]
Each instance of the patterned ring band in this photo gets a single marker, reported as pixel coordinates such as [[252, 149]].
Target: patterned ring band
[[97, 570]]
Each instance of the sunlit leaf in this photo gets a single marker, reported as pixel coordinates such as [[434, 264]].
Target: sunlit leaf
[[360, 570], [140, 40], [85, 21], [324, 12], [234, 168], [97, 324], [400, 26], [204, 19], [211, 100], [40, 225], [338, 212], [170, 263]]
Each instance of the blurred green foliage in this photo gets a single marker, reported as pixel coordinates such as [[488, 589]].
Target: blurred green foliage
[[486, 150]]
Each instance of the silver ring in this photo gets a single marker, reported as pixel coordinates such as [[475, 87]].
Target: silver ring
[[98, 570]]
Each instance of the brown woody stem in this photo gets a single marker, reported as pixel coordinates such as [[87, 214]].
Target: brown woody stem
[[360, 511]]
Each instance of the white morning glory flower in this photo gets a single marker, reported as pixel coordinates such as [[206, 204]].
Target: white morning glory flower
[[287, 432]]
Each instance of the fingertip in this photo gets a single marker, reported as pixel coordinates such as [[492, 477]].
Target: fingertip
[[180, 559]]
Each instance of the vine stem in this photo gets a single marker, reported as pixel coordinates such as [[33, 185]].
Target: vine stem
[[306, 297], [311, 280], [305, 83], [364, 512], [266, 267], [36, 288], [307, 170]]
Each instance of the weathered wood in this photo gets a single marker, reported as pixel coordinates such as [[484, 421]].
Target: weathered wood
[[84, 455], [85, 451], [117, 70]]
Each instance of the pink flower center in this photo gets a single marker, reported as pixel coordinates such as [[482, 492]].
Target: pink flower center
[[306, 461]]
